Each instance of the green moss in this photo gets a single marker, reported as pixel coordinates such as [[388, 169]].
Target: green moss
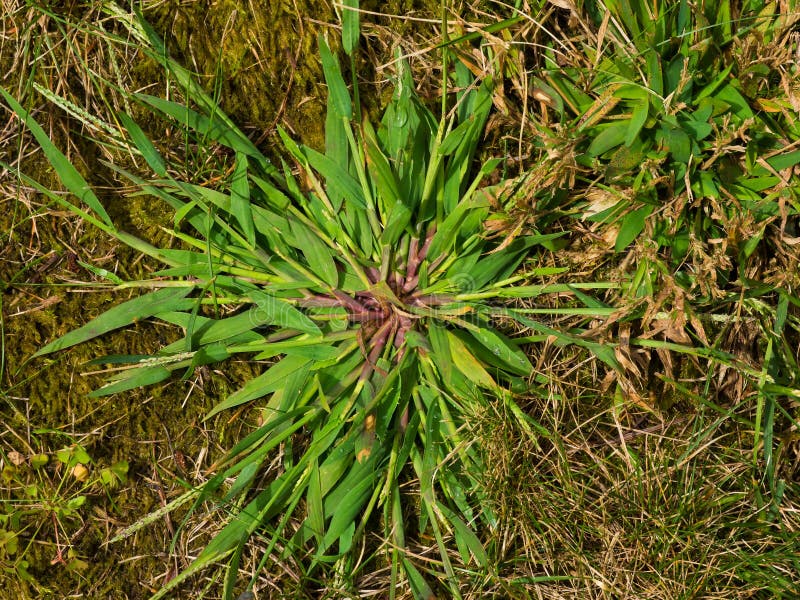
[[259, 57]]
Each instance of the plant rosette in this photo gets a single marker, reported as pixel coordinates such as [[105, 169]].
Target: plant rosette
[[364, 279]]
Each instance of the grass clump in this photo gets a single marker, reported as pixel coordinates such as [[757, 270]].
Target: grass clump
[[661, 138], [363, 278]]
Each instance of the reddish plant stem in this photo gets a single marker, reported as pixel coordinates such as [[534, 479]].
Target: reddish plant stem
[[423, 253], [378, 344], [318, 301], [405, 324], [348, 302], [426, 300], [413, 258], [411, 283], [373, 274], [368, 316], [397, 282]]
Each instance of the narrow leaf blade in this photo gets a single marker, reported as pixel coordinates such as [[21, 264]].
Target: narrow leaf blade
[[143, 307], [65, 170]]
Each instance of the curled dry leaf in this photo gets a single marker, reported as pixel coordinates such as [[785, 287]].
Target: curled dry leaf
[[16, 458], [80, 472]]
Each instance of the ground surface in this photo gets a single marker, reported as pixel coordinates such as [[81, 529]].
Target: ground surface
[[634, 503]]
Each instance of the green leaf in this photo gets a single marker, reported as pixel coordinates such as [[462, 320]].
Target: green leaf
[[604, 352], [316, 515], [504, 349], [419, 587], [101, 273], [678, 144], [468, 543], [469, 366], [133, 379], [350, 25], [638, 118], [39, 460], [240, 199], [499, 265], [269, 309], [455, 138], [67, 173], [380, 170], [608, 138], [784, 161], [215, 128], [709, 89], [144, 145], [339, 181], [205, 331], [337, 89], [399, 218], [631, 92], [731, 96], [698, 129], [317, 253], [632, 226], [573, 95], [243, 480], [155, 49], [266, 383], [275, 197], [163, 300], [447, 231], [357, 490]]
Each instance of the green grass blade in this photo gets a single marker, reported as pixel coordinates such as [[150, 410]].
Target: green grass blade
[[269, 309], [155, 48], [134, 378], [317, 253], [638, 119], [266, 383], [357, 485], [339, 95], [632, 225], [419, 587], [315, 520], [144, 145], [350, 26], [381, 172], [466, 540], [214, 128], [447, 231], [240, 199], [209, 331], [143, 307], [399, 220], [503, 349], [338, 181], [608, 138], [469, 366], [67, 173], [604, 352]]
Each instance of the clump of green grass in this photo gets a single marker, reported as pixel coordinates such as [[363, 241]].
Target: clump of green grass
[[662, 139], [683, 125], [363, 279]]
